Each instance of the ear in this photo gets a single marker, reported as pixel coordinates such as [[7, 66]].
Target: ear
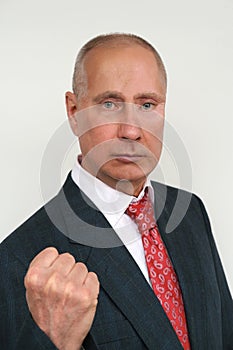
[[71, 109]]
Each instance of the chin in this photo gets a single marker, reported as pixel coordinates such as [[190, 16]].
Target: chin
[[112, 173], [130, 176]]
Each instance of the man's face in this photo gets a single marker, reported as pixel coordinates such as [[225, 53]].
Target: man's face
[[119, 121]]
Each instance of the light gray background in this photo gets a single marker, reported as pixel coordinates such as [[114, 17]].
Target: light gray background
[[38, 44]]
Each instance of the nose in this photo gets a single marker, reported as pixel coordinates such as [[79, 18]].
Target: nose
[[129, 127]]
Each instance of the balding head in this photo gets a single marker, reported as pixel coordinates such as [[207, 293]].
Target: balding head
[[108, 41]]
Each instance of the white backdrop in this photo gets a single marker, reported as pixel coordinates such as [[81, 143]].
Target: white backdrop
[[38, 44]]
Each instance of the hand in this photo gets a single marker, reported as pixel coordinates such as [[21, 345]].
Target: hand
[[62, 297]]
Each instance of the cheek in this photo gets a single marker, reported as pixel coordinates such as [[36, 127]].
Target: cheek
[[96, 137], [154, 145]]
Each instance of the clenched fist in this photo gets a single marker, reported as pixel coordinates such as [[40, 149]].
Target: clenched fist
[[62, 297]]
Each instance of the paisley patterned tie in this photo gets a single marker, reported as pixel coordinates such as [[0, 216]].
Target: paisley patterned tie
[[161, 272]]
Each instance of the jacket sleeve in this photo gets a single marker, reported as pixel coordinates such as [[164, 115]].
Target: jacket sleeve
[[18, 331], [226, 298]]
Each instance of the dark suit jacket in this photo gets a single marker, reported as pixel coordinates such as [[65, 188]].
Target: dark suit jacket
[[128, 315]]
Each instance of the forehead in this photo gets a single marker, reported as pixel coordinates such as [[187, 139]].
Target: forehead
[[118, 57], [123, 64]]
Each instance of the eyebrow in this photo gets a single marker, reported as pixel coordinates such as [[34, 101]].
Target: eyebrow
[[119, 96], [108, 94], [153, 95]]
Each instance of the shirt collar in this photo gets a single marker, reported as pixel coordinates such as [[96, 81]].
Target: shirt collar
[[110, 202]]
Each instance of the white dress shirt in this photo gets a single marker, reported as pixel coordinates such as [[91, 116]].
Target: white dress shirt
[[113, 204]]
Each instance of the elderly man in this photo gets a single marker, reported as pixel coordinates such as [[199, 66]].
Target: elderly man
[[95, 268]]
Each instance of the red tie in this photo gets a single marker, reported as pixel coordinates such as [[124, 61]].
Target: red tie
[[161, 272]]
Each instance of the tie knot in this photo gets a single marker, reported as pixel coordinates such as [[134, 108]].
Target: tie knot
[[142, 213]]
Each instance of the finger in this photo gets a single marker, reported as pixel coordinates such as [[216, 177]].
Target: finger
[[64, 263], [92, 283], [78, 273], [45, 258]]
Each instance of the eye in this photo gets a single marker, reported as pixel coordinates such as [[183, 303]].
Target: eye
[[147, 106], [109, 105]]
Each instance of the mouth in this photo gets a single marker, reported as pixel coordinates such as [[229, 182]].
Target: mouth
[[128, 158]]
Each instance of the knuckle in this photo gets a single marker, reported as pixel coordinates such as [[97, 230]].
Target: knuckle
[[54, 288], [81, 267], [85, 299], [70, 289], [33, 278], [55, 279], [93, 276], [51, 250], [88, 299], [93, 282], [80, 297], [67, 257]]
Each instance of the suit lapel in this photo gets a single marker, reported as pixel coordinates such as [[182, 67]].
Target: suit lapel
[[123, 281], [187, 255]]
